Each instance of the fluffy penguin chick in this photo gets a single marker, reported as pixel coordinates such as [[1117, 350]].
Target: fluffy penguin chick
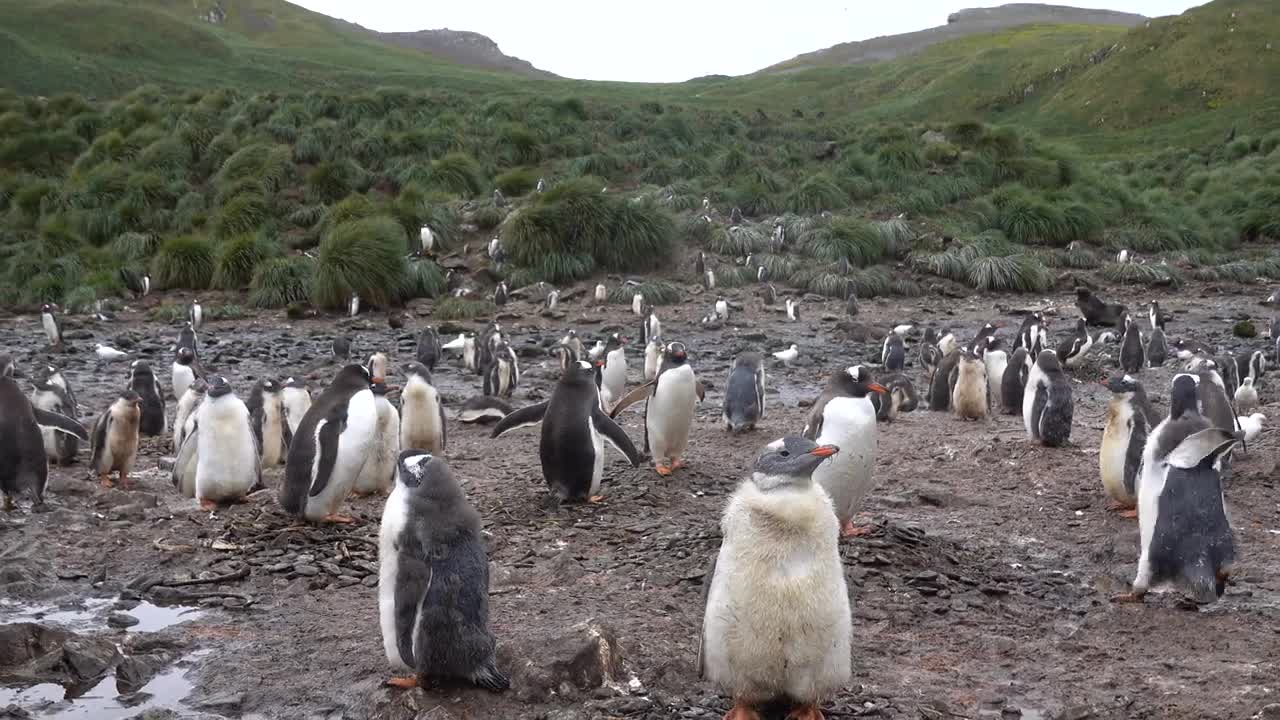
[[1123, 438], [969, 397], [777, 623], [433, 579], [228, 466], [115, 438], [1251, 425], [1246, 396], [845, 417], [378, 473], [422, 425], [1047, 407], [297, 400]]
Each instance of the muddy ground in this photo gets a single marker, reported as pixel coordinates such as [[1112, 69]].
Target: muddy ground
[[983, 591]]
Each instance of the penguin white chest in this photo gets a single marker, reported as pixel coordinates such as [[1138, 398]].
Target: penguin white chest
[[296, 403], [614, 375], [420, 426], [354, 444], [670, 413], [273, 450], [1115, 448], [379, 469], [227, 466], [50, 328], [395, 515], [849, 424], [652, 355], [183, 376], [996, 362]]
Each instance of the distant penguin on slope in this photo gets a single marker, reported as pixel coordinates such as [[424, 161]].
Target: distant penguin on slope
[[24, 466], [602, 294], [378, 473], [433, 580], [143, 381], [195, 315], [1047, 406], [228, 466], [893, 353], [115, 439], [844, 417], [422, 424], [1123, 438], [744, 393], [793, 309], [53, 394]]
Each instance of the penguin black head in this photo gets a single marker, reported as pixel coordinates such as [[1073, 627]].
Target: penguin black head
[[789, 462], [185, 356], [218, 386], [614, 342], [354, 376], [856, 382], [1184, 396], [270, 386], [417, 369], [1048, 362], [675, 353], [200, 386], [1083, 294], [1121, 384], [46, 308], [131, 398], [581, 372], [291, 382], [413, 467]]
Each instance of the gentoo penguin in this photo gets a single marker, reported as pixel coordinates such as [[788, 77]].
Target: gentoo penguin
[[341, 348], [744, 392], [428, 349], [948, 344], [943, 381], [353, 305], [227, 466], [494, 249], [793, 309], [184, 420], [777, 621], [1133, 354], [843, 416], [187, 339], [542, 185], [297, 400], [333, 442], [500, 294], [551, 300], [1073, 351], [23, 462], [969, 396], [1157, 317], [851, 304], [1251, 425], [1013, 382], [762, 274], [481, 409], [195, 315], [108, 354], [1253, 365], [1123, 438], [722, 308], [988, 330], [574, 428], [143, 381], [712, 321], [426, 240], [1026, 333], [709, 279], [115, 438], [487, 345], [1275, 338], [613, 377], [637, 304], [9, 368], [893, 353], [700, 263], [422, 423], [503, 374], [183, 372], [1096, 312], [902, 393], [378, 473], [1246, 396], [377, 365], [996, 361], [652, 357], [53, 394], [267, 418], [1047, 407], [651, 325], [602, 294], [573, 344], [52, 329], [1229, 371], [771, 297], [668, 411], [138, 284], [1186, 537], [1157, 347], [930, 354], [1122, 256], [433, 579]]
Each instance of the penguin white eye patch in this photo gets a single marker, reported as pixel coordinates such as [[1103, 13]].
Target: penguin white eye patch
[[417, 461]]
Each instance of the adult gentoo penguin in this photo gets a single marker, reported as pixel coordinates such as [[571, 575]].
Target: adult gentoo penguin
[[1186, 537], [378, 473], [433, 579], [332, 444], [668, 411], [183, 372], [1133, 354], [574, 429], [53, 394], [1073, 351], [503, 374], [187, 339], [184, 418], [637, 304], [793, 309], [297, 400], [1123, 438], [267, 418], [722, 308], [893, 352], [613, 377], [500, 294], [428, 350], [943, 381], [844, 416], [1096, 312], [228, 466], [422, 423], [143, 381], [23, 463], [195, 314], [1014, 382], [777, 623], [1047, 407], [52, 329], [996, 361], [115, 439], [1157, 347], [744, 393], [602, 294]]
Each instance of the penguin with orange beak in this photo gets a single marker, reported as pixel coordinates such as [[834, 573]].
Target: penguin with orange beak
[[844, 416]]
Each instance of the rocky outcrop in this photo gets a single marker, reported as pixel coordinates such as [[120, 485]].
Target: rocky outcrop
[[465, 48]]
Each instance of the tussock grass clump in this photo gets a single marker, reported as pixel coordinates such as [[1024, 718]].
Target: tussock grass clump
[[281, 281], [422, 278], [242, 214], [897, 235], [459, 174], [1009, 273], [462, 309], [239, 256], [1132, 273], [516, 182], [859, 242], [186, 261], [734, 276], [365, 257], [737, 241], [815, 194], [656, 292], [332, 180]]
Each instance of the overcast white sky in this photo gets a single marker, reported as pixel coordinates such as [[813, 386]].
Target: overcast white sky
[[669, 41]]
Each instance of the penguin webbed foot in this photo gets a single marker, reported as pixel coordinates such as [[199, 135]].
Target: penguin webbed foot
[[805, 712], [341, 519], [595, 500], [677, 463], [742, 711], [1129, 597], [848, 529], [1131, 513], [404, 683], [662, 470]]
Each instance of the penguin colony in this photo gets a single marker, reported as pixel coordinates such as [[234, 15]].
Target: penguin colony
[[774, 627]]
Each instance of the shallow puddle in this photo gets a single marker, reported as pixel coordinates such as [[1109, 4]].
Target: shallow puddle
[[91, 615], [103, 702]]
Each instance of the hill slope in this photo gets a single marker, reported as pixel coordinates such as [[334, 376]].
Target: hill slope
[[465, 48]]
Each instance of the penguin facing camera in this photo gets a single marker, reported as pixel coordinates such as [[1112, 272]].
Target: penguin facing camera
[[52, 328], [378, 473], [843, 416], [228, 465], [422, 424], [144, 382], [297, 400], [115, 439], [1129, 418], [670, 400]]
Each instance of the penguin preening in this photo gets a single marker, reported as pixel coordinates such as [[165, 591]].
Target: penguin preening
[[428, 350], [1123, 438], [1185, 534], [969, 395], [1096, 312], [422, 424], [481, 409], [297, 400], [143, 381], [331, 445], [1013, 382], [24, 466], [52, 328], [574, 428], [1133, 353], [744, 393], [433, 579], [503, 373], [53, 394], [378, 473], [777, 622], [844, 416], [267, 418], [1074, 350], [1047, 406], [670, 400], [115, 439], [227, 465]]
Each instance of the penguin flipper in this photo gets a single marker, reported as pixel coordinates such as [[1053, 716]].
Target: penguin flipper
[[635, 396], [1208, 443], [706, 595], [100, 430], [1037, 408], [616, 436], [189, 448], [257, 416], [444, 432], [327, 435], [524, 417], [57, 421]]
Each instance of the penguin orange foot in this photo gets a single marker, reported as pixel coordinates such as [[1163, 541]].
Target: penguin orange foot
[[663, 470], [595, 499], [848, 529], [677, 463], [339, 519], [404, 683], [208, 505], [805, 712], [105, 481], [1129, 597], [742, 711], [1131, 513]]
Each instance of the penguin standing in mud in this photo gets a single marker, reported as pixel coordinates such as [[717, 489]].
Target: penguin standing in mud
[[601, 294], [228, 465], [669, 407], [270, 429], [1014, 382], [53, 394], [650, 326], [183, 372], [378, 473], [744, 393], [969, 396], [332, 444], [428, 350], [422, 423], [1186, 536], [1133, 354], [1074, 350], [52, 328], [433, 580], [24, 466], [943, 381], [996, 361], [187, 339], [115, 439], [574, 428], [297, 400], [1047, 406], [613, 376], [843, 416], [793, 309], [652, 357], [637, 304], [930, 355], [1129, 415], [143, 382], [503, 373], [893, 353], [195, 314], [777, 622], [184, 420]]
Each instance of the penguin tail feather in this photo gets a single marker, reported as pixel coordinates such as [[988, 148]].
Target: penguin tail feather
[[489, 678], [1203, 586]]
